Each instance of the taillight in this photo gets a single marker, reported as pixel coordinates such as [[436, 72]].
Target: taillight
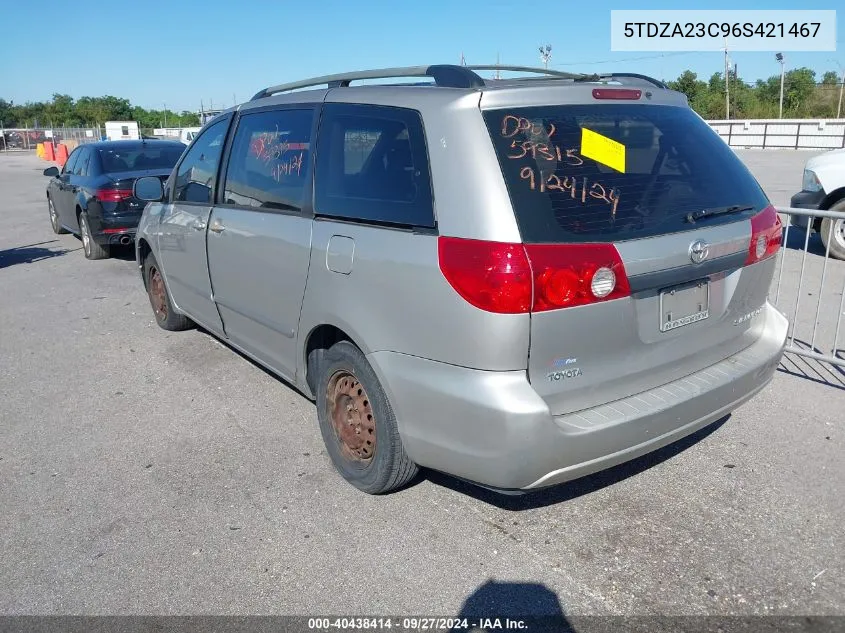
[[617, 93], [766, 235], [112, 195], [567, 275], [514, 278], [493, 276]]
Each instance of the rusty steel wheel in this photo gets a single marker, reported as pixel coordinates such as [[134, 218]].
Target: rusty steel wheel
[[158, 295], [357, 422], [167, 317], [352, 417]]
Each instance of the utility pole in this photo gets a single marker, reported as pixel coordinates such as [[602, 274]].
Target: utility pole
[[463, 60], [727, 84], [841, 86], [498, 73], [165, 114], [779, 57]]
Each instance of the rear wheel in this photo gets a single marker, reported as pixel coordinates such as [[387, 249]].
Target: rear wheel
[[58, 229], [91, 249], [358, 424], [832, 232], [166, 315]]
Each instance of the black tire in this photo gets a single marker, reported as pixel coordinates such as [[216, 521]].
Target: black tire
[[58, 229], [388, 466], [90, 248], [166, 315], [837, 244]]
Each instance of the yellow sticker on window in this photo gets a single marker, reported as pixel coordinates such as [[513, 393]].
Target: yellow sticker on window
[[603, 150]]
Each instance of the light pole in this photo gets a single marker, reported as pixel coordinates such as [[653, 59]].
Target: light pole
[[841, 87], [165, 114], [546, 54], [779, 57]]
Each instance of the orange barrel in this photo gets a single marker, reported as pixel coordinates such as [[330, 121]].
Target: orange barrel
[[61, 154], [49, 154]]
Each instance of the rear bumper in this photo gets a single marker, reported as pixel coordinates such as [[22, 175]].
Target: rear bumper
[[492, 427], [121, 229]]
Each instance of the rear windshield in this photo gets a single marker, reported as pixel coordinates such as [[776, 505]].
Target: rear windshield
[[616, 172], [138, 158]]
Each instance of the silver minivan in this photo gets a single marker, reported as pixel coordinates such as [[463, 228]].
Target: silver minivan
[[517, 282]]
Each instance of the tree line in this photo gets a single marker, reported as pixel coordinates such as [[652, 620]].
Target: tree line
[[64, 111], [803, 97]]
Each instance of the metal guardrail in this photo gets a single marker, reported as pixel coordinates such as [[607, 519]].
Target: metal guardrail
[[822, 344], [747, 134]]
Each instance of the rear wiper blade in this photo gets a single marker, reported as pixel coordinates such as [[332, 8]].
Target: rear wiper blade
[[709, 213]]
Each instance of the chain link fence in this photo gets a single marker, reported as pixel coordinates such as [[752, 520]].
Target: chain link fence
[[24, 139]]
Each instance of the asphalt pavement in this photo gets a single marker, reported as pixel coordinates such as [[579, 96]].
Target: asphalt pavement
[[148, 472]]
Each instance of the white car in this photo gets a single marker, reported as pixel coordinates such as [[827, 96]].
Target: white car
[[823, 188]]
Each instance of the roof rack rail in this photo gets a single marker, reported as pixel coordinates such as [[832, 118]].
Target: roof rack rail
[[528, 69], [445, 75], [622, 77]]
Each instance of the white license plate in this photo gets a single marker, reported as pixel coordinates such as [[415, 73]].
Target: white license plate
[[682, 305]]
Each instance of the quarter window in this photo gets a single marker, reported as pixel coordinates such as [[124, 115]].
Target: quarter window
[[268, 167], [198, 171], [372, 165]]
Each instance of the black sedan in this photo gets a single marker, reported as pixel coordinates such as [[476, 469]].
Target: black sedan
[[92, 195]]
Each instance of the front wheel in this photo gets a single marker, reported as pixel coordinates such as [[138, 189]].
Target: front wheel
[[358, 424], [166, 315], [833, 232], [91, 249], [58, 229]]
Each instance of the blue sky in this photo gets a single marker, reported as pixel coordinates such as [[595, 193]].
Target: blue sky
[[181, 52]]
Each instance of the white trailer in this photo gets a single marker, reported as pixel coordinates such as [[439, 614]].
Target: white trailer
[[122, 130]]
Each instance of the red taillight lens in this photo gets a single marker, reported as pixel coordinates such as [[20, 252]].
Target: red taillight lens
[[617, 93], [567, 275], [512, 278], [766, 235], [113, 195], [493, 276]]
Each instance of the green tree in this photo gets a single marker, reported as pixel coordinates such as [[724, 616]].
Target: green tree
[[830, 78]]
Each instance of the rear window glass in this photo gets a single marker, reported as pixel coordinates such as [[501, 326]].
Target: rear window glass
[[137, 158], [615, 172]]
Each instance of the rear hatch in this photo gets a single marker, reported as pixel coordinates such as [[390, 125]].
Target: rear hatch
[[650, 193], [123, 165]]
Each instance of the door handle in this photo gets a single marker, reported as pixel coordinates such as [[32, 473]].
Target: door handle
[[198, 226], [216, 227]]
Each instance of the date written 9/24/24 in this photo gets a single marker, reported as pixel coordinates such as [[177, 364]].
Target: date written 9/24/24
[[577, 188]]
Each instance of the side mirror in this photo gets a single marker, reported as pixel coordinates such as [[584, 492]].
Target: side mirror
[[51, 171], [148, 189]]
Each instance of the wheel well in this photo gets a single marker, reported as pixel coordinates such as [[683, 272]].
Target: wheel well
[[832, 198], [143, 250], [320, 340]]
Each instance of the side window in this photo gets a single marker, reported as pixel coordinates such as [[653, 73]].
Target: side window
[[372, 164], [268, 164], [198, 170], [81, 167], [70, 165]]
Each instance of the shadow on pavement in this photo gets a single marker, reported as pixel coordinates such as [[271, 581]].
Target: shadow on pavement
[[498, 606], [812, 369], [28, 254], [578, 487]]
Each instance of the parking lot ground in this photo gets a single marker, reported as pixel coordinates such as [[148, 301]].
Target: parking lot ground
[[149, 472]]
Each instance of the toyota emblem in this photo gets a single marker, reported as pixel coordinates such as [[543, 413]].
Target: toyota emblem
[[698, 251]]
